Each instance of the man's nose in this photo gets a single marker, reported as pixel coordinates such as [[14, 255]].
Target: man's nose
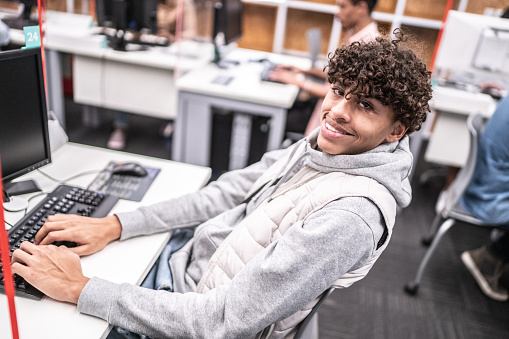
[[342, 110]]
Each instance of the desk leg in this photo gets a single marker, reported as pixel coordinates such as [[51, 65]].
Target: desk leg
[[277, 128], [193, 128], [54, 82], [90, 116]]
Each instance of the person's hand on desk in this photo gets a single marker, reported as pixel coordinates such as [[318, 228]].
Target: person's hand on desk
[[55, 271], [90, 234], [287, 74]]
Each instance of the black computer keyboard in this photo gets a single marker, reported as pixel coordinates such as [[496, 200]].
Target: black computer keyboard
[[268, 67], [64, 199]]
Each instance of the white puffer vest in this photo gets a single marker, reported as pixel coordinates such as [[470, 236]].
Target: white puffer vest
[[292, 202]]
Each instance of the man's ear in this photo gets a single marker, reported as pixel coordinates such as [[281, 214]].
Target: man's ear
[[398, 131]]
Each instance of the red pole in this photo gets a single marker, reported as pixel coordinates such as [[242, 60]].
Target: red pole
[[41, 8], [6, 267]]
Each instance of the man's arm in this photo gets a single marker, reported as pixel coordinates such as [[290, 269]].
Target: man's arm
[[195, 208], [93, 234], [275, 284]]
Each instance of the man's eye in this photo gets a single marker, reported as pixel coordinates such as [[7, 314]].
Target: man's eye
[[338, 91], [366, 105]]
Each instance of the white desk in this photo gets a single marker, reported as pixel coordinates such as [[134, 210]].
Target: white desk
[[126, 261], [140, 82], [245, 93], [449, 140]]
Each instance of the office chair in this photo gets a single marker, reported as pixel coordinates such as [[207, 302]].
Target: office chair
[[450, 210], [314, 41], [308, 329]]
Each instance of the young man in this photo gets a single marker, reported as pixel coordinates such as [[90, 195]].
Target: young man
[[271, 238]]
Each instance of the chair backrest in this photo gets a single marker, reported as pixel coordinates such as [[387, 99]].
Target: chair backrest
[[304, 328], [314, 40], [474, 123]]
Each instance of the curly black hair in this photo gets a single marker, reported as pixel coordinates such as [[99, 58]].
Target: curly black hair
[[384, 70]]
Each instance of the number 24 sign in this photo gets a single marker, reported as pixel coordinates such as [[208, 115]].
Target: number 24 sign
[[32, 37]]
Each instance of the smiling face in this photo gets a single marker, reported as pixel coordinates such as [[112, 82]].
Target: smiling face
[[354, 124]]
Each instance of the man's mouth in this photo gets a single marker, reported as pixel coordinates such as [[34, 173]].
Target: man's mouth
[[337, 129]]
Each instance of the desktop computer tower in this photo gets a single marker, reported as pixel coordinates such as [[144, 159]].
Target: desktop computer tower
[[222, 122], [238, 139], [260, 127]]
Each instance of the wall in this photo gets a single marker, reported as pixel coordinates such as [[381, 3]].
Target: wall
[[263, 26]]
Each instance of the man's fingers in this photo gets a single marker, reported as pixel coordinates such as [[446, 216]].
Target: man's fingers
[[28, 247], [80, 250], [48, 227], [20, 256], [64, 235], [20, 269]]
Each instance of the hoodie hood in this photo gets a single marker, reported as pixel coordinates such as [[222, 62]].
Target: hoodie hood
[[389, 164]]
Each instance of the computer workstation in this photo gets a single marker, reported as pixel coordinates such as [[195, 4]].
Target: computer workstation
[[139, 81], [31, 165], [470, 43], [240, 115], [129, 22], [19, 13]]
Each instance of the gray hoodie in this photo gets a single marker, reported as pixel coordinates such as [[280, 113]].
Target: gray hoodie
[[275, 284]]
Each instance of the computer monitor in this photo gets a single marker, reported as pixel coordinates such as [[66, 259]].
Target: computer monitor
[[29, 6], [24, 19], [474, 44], [133, 16], [24, 137], [227, 25]]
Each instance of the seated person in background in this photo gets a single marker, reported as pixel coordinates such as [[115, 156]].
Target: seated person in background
[[272, 237], [167, 27], [167, 14], [487, 198], [357, 25]]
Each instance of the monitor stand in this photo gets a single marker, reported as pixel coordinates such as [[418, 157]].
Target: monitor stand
[[21, 187], [12, 203]]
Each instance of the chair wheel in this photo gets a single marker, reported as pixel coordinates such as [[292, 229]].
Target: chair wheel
[[411, 288]]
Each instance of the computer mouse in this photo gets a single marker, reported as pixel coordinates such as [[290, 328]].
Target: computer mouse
[[129, 168]]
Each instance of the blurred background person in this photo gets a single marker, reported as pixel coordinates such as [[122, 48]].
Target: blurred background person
[[357, 25], [487, 198]]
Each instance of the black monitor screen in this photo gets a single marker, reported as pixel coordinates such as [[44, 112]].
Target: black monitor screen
[[24, 140], [130, 15], [228, 20]]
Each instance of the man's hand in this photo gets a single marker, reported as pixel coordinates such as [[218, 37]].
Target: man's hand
[[55, 271], [90, 234]]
